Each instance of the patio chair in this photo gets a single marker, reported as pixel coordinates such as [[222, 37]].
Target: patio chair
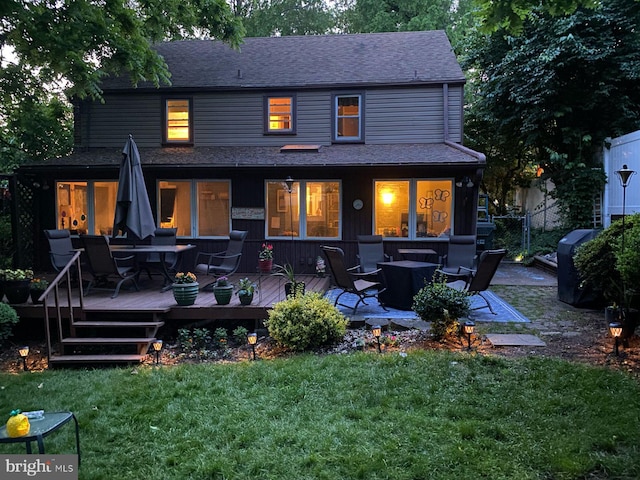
[[478, 280], [461, 255], [221, 263], [370, 253], [103, 266], [60, 248], [154, 261], [350, 281]]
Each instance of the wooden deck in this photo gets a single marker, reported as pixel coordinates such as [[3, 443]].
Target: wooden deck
[[151, 299]]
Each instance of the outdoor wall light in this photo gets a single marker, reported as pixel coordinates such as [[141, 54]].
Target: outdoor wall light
[[24, 353], [252, 339], [376, 330], [157, 346], [468, 327], [616, 330], [289, 183], [464, 182]]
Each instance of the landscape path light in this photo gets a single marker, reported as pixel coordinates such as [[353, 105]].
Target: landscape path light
[[376, 330], [468, 327], [616, 330], [252, 339], [157, 346], [24, 353]]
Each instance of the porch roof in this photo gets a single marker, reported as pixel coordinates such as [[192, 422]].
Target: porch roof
[[437, 154]]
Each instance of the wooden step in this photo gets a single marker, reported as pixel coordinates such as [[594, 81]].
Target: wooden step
[[116, 324], [105, 340], [115, 358]]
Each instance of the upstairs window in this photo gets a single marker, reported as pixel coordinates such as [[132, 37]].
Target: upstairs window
[[347, 118], [279, 114], [178, 121]]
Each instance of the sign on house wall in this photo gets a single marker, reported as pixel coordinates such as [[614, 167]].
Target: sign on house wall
[[624, 150]]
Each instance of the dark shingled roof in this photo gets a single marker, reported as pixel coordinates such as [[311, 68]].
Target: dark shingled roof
[[338, 155], [312, 61]]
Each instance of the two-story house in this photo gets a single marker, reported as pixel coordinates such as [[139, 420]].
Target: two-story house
[[369, 127]]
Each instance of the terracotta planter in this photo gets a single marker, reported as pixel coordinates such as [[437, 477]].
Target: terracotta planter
[[185, 293], [17, 291], [265, 266], [223, 294], [246, 299]]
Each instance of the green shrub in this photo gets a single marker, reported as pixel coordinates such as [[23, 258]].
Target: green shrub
[[600, 261], [8, 318], [304, 322], [196, 340], [442, 306]]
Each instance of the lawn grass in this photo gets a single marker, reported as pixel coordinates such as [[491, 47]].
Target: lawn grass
[[436, 415]]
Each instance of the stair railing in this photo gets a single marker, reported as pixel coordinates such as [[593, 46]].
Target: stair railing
[[58, 309]]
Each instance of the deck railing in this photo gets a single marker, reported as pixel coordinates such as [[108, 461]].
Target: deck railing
[[71, 269]]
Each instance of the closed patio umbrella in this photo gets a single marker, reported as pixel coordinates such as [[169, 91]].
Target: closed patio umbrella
[[133, 212]]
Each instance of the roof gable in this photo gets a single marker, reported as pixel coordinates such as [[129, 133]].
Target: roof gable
[[313, 61]]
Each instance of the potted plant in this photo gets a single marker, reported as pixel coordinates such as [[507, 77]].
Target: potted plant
[[222, 290], [17, 284], [185, 288], [441, 305], [265, 258], [245, 291], [37, 288], [292, 286]]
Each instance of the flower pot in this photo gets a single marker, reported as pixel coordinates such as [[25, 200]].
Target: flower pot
[[35, 295], [246, 299], [265, 266], [17, 291], [223, 294], [185, 293]]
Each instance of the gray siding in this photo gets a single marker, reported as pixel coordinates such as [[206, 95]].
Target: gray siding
[[121, 115], [456, 103], [404, 116], [393, 115]]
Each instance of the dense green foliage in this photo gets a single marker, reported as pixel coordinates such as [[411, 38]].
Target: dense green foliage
[[552, 95], [52, 50], [600, 261], [8, 318], [434, 415], [366, 16], [306, 321], [441, 305], [268, 18]]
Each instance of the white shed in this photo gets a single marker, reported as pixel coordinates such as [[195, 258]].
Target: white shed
[[624, 150]]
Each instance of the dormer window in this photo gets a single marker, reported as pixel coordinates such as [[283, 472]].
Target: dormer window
[[279, 114], [178, 128]]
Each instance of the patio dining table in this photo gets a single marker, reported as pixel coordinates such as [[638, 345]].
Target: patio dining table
[[161, 250]]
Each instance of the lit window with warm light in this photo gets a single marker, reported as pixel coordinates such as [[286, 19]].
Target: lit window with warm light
[[178, 121], [279, 114], [86, 207], [413, 209], [311, 210]]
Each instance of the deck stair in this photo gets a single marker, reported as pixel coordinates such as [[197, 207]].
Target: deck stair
[[105, 336]]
